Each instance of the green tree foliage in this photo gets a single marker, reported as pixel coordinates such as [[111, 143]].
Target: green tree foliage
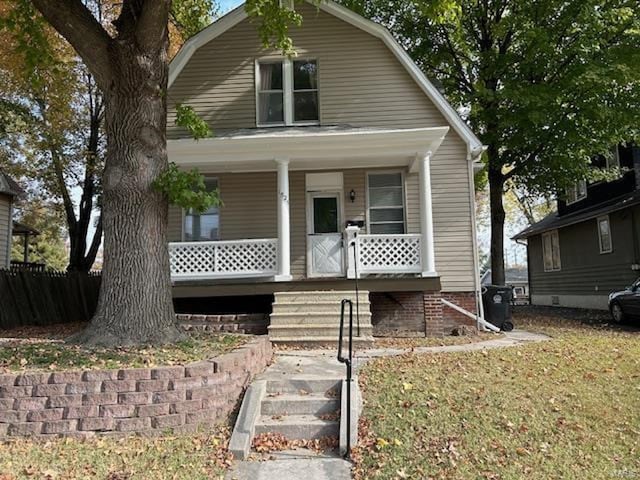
[[186, 189], [191, 16], [49, 246], [546, 84]]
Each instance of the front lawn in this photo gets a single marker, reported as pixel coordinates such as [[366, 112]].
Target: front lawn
[[43, 349], [567, 408], [194, 457]]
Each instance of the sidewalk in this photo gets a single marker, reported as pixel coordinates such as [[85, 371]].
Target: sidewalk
[[322, 364]]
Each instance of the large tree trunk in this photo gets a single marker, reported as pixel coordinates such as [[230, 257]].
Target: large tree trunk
[[135, 304], [496, 192]]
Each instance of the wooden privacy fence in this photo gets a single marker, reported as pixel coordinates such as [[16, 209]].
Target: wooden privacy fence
[[46, 298]]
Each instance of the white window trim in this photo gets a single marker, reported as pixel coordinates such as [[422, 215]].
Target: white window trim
[[551, 234], [184, 213], [404, 196], [578, 197], [287, 85], [598, 220]]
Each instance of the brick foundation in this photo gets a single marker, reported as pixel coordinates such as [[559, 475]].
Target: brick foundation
[[118, 402], [410, 314], [397, 314], [452, 318]]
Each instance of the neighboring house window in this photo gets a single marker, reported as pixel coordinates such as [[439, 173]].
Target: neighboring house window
[[577, 192], [613, 160], [203, 227], [604, 235], [551, 251], [287, 92], [386, 203]]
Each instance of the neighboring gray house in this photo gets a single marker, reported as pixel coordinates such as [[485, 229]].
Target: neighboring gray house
[[9, 189], [346, 151], [515, 277], [591, 246]]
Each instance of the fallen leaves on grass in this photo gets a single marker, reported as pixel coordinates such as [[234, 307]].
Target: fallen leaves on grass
[[558, 409], [55, 355], [197, 456]]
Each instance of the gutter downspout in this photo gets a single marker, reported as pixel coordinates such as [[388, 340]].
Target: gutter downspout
[[480, 322]]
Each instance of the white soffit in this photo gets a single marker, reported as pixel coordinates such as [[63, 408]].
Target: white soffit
[[237, 15]]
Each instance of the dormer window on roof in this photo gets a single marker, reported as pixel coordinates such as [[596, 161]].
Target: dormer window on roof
[[287, 92]]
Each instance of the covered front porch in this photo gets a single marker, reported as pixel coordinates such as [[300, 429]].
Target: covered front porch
[[337, 240]]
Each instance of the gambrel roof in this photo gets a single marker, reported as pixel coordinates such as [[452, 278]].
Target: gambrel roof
[[474, 145]]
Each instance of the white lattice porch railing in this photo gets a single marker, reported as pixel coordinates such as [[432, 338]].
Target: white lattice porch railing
[[393, 254], [233, 259]]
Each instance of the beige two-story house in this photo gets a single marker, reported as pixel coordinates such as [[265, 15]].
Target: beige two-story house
[[341, 163]]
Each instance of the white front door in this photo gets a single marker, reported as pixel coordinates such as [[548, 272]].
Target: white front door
[[325, 253]]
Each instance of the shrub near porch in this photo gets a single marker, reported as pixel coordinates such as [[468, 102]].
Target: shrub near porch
[[560, 409]]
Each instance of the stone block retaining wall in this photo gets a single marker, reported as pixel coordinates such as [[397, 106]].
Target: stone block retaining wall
[[254, 324], [144, 400]]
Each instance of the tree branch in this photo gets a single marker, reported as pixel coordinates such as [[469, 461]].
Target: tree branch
[[73, 20]]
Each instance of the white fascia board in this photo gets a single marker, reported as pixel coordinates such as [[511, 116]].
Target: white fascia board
[[237, 15], [313, 146]]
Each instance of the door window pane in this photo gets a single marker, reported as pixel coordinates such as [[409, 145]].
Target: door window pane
[[325, 215], [205, 226]]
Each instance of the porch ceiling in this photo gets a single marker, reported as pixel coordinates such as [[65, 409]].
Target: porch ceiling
[[310, 148]]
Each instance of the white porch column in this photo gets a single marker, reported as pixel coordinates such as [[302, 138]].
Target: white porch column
[[426, 217], [284, 229]]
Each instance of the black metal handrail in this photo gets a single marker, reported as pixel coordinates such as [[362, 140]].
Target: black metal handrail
[[348, 361]]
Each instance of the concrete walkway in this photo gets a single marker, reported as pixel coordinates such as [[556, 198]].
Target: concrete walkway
[[322, 364]]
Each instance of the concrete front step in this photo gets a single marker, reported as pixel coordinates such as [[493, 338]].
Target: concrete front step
[[317, 342], [291, 404], [317, 306], [329, 387], [298, 427], [310, 332], [334, 296], [311, 317]]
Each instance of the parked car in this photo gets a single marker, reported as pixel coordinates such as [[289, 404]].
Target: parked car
[[625, 303]]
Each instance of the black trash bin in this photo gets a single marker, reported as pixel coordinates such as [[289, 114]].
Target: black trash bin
[[497, 306]]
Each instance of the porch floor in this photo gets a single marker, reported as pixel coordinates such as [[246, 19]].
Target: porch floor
[[218, 288]]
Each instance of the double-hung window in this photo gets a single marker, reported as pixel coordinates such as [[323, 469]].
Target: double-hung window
[[604, 235], [551, 251], [386, 203], [287, 92], [577, 192], [203, 227]]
